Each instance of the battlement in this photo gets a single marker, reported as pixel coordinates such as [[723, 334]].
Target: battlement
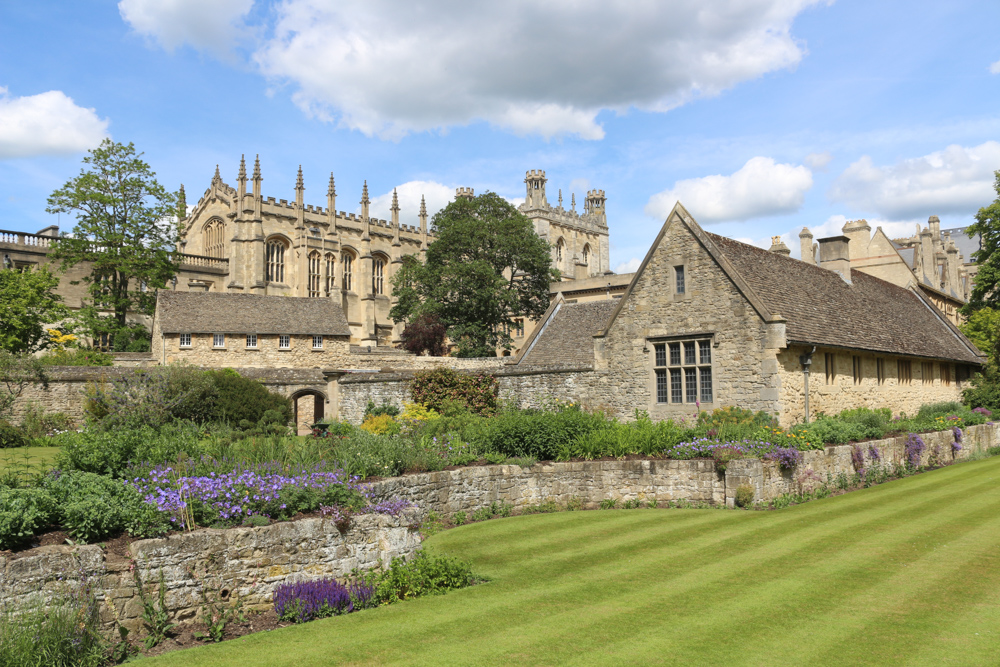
[[595, 194], [468, 193], [535, 174]]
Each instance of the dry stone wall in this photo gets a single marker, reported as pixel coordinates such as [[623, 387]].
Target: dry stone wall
[[236, 564]]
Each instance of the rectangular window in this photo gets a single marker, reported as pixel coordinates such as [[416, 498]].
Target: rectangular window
[[679, 279], [927, 372], [185, 340], [946, 374], [519, 327], [856, 363], [687, 382], [676, 390], [251, 341], [218, 340], [905, 371], [317, 342], [284, 342], [662, 391], [830, 360], [880, 370]]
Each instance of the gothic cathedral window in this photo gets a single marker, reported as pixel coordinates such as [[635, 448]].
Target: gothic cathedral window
[[215, 240], [274, 259], [586, 255], [348, 261], [378, 275], [314, 274], [559, 251], [331, 268]]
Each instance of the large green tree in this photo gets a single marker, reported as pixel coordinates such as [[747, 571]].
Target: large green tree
[[486, 268], [28, 303], [985, 292], [125, 228]]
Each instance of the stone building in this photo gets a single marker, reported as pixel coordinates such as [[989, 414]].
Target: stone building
[[708, 322], [938, 262]]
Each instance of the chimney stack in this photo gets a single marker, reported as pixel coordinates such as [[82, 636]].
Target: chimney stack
[[834, 254], [808, 248]]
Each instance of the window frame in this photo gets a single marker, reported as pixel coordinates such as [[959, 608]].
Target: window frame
[[274, 259], [314, 276], [218, 341], [251, 341], [680, 279], [284, 341], [181, 341], [683, 371], [317, 338]]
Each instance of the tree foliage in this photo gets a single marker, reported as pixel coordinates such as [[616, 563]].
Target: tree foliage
[[983, 328], [985, 292], [27, 304], [486, 268], [17, 371], [125, 228], [425, 333]]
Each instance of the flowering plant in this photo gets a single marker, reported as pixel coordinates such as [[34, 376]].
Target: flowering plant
[[307, 600]]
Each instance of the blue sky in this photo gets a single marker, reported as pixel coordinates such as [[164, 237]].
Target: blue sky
[[761, 116]]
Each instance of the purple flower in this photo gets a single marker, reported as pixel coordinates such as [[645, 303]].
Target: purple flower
[[787, 457], [306, 600], [914, 448]]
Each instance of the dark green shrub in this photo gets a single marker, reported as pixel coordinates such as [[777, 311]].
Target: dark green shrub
[[745, 495], [985, 390], [93, 507], [478, 392], [372, 410], [239, 398], [11, 436], [537, 434], [23, 514], [424, 574], [103, 452]]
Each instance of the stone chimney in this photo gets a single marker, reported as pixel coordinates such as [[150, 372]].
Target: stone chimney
[[778, 247], [808, 248], [952, 262], [834, 254], [860, 234]]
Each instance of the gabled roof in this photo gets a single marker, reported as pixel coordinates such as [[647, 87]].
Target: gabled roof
[[565, 334], [820, 308], [234, 313]]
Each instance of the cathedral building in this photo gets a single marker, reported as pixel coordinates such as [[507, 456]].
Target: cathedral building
[[236, 240]]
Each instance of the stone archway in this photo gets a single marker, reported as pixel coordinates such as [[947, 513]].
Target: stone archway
[[308, 407]]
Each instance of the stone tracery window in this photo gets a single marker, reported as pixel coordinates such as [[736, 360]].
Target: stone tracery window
[[274, 260], [347, 259], [314, 274], [559, 251], [215, 238], [586, 254], [378, 274], [331, 271]]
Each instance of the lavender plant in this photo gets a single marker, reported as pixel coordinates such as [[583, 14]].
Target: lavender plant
[[786, 457], [307, 600], [914, 448]]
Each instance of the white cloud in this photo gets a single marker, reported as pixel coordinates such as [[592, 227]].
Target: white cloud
[[437, 196], [954, 180], [47, 124], [213, 26], [388, 68], [760, 188], [631, 266], [817, 161], [995, 68]]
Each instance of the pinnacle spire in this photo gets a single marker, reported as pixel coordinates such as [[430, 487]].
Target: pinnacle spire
[[572, 204], [331, 190], [256, 168], [298, 181], [364, 193], [243, 168], [218, 177], [423, 206], [560, 197], [395, 201]]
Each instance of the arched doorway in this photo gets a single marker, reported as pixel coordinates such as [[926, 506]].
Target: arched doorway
[[308, 407]]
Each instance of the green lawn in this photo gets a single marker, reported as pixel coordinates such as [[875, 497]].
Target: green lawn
[[904, 573]]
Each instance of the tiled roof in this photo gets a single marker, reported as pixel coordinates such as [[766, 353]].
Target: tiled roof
[[227, 312], [568, 334], [822, 309]]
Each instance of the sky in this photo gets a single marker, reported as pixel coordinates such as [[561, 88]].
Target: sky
[[760, 116]]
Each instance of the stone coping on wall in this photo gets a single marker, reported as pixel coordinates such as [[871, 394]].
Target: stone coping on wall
[[400, 375], [228, 564], [265, 375]]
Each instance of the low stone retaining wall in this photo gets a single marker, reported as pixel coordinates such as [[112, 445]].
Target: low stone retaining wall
[[237, 563], [590, 482]]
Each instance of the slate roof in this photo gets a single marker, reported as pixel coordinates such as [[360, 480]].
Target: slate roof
[[567, 336], [233, 313], [822, 309]]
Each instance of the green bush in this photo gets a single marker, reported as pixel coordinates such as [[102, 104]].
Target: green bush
[[62, 631], [11, 436], [478, 392], [93, 507], [745, 495], [111, 452], [424, 574], [538, 434], [36, 423], [77, 356], [985, 390], [372, 410], [23, 514], [239, 398]]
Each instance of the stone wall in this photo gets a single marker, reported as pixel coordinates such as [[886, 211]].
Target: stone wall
[[235, 353], [843, 392], [238, 563]]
